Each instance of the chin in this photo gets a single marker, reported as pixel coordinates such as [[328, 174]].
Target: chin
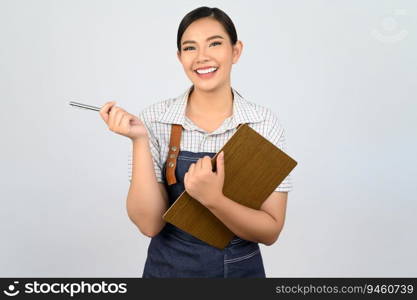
[[206, 86], [206, 89]]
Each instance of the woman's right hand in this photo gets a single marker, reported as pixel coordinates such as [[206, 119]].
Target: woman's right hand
[[120, 121]]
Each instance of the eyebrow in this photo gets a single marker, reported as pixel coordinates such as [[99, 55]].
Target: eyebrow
[[208, 39]]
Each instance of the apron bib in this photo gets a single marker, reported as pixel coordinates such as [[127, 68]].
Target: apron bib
[[174, 253]]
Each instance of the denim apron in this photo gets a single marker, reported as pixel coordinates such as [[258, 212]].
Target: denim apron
[[174, 253]]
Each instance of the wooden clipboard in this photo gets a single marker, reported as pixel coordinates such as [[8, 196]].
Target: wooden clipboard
[[254, 167]]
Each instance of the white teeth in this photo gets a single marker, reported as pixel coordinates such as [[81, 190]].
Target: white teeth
[[206, 71]]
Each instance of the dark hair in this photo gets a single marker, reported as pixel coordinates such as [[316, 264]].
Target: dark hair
[[203, 12]]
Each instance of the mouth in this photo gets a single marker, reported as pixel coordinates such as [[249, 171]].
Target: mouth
[[207, 72]]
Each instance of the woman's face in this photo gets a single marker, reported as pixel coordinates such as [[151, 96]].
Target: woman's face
[[206, 45]]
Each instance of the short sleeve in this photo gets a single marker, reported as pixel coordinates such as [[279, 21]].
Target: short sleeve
[[277, 137], [154, 148]]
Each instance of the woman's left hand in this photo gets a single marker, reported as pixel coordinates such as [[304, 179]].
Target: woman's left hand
[[202, 183]]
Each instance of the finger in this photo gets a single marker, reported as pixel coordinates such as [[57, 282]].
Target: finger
[[125, 121], [107, 104], [191, 169], [118, 118], [109, 114], [220, 163], [112, 116], [206, 163], [104, 111], [199, 163]]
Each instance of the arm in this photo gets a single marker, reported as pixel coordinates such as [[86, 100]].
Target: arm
[[262, 226], [147, 199]]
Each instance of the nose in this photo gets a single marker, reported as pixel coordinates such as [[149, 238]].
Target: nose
[[202, 56]]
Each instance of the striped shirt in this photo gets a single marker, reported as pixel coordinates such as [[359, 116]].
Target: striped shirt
[[159, 116]]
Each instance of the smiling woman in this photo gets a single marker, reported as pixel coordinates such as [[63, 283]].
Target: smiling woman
[[207, 47], [183, 133]]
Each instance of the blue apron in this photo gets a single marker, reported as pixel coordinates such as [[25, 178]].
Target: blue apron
[[174, 253]]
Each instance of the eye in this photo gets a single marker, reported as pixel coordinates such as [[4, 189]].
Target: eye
[[187, 48], [191, 47], [215, 43]]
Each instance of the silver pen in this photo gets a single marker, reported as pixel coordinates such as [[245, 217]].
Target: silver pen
[[85, 106]]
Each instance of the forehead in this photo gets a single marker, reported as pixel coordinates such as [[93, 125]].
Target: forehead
[[204, 28]]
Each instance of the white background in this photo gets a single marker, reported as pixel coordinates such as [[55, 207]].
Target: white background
[[341, 75]]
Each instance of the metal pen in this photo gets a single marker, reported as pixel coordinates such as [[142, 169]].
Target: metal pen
[[85, 106]]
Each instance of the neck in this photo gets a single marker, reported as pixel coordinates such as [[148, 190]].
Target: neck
[[212, 104]]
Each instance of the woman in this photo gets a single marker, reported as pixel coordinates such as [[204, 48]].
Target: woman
[[202, 120]]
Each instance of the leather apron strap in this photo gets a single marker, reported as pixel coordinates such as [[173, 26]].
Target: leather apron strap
[[174, 149]]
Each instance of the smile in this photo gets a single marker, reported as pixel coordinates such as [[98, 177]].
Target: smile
[[206, 73]]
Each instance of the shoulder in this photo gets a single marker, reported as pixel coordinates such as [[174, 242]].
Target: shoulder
[[270, 118], [152, 112], [269, 115], [151, 115]]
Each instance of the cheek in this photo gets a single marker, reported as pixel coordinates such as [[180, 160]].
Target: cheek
[[225, 60], [186, 62], [226, 66]]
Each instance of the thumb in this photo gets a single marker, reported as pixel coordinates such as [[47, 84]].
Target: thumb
[[220, 164]]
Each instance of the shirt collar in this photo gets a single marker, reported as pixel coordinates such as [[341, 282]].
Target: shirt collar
[[243, 111]]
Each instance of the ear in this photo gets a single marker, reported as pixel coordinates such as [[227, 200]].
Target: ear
[[179, 55], [237, 51]]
